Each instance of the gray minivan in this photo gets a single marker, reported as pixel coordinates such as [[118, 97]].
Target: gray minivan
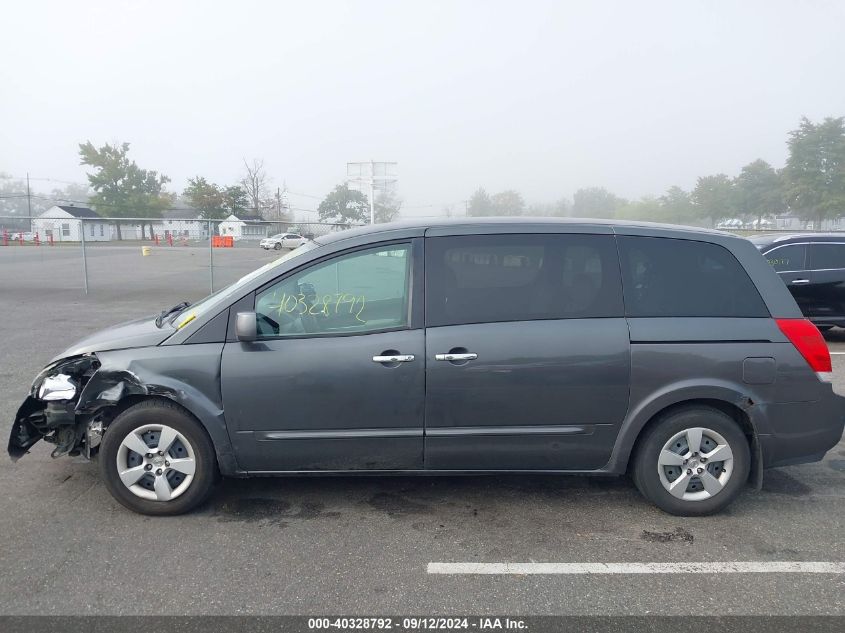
[[469, 346]]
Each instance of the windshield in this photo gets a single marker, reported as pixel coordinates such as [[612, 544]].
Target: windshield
[[200, 307]]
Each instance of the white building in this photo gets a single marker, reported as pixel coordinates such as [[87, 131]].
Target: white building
[[65, 223], [244, 227], [181, 224]]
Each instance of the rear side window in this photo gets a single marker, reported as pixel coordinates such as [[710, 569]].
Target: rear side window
[[521, 277], [787, 258], [827, 256], [682, 278]]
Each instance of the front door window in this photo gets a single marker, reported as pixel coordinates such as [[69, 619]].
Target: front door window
[[360, 292]]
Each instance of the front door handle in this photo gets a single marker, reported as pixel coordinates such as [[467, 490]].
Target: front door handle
[[799, 282], [454, 357], [398, 358]]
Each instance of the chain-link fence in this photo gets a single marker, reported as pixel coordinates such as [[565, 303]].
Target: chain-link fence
[[76, 248], [72, 248]]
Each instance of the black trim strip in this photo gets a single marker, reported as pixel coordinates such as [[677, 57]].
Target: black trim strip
[[451, 431], [264, 436], [700, 342]]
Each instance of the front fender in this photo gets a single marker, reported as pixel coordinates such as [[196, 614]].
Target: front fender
[[186, 374]]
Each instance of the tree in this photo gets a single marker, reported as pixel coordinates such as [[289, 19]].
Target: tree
[[507, 202], [595, 202], [344, 206], [647, 209], [815, 170], [677, 205], [206, 197], [387, 206], [480, 204], [235, 199], [121, 188], [71, 192], [255, 184], [758, 191], [714, 198], [13, 202]]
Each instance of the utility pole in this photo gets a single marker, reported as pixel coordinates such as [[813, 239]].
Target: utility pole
[[28, 201], [373, 175], [372, 192], [278, 204]]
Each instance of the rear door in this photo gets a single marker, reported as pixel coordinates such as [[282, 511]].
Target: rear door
[[291, 240], [527, 351], [790, 263], [826, 290]]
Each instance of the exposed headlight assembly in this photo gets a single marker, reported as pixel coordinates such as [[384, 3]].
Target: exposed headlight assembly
[[58, 387]]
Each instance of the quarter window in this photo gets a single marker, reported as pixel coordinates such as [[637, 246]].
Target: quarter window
[[491, 278], [827, 256], [787, 258], [683, 278], [364, 291]]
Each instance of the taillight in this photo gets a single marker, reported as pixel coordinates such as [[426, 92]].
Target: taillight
[[810, 344]]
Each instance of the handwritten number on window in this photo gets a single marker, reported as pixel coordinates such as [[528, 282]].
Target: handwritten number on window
[[325, 305]]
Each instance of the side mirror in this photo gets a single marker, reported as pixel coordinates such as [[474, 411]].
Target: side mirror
[[246, 326]]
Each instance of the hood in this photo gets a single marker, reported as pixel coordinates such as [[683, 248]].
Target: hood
[[138, 333]]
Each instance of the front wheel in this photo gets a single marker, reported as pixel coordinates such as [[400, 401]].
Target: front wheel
[[692, 462], [277, 246], [156, 459]]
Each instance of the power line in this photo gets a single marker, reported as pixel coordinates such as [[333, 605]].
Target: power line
[[22, 194], [304, 195], [63, 182]]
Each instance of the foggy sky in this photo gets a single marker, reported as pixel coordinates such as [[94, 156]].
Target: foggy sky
[[542, 97]]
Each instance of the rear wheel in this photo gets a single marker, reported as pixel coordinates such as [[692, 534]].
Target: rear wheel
[[277, 246], [692, 462], [156, 459]]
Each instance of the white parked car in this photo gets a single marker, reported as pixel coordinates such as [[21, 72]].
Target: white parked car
[[282, 240], [28, 236]]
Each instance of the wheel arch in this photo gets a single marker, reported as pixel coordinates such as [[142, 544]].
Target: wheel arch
[[741, 407], [113, 389]]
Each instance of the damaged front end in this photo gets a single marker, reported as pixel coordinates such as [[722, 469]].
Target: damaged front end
[[50, 412]]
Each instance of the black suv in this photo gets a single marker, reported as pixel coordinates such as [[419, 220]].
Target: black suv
[[813, 268]]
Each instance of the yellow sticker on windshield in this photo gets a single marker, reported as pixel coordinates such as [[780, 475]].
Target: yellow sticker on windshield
[[187, 320]]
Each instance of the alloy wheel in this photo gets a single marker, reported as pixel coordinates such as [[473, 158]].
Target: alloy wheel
[[695, 464], [156, 462]]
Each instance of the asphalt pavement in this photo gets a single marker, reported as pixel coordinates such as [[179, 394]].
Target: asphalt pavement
[[363, 545]]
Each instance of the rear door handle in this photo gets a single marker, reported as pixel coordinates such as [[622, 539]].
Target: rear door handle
[[454, 357], [398, 358], [798, 282]]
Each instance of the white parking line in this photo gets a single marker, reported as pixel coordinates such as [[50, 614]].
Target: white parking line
[[727, 567], [837, 353]]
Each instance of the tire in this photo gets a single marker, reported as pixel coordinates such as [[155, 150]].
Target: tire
[[277, 246], [725, 479], [176, 490], [824, 328]]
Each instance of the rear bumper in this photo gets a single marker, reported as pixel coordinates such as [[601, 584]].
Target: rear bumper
[[801, 432]]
